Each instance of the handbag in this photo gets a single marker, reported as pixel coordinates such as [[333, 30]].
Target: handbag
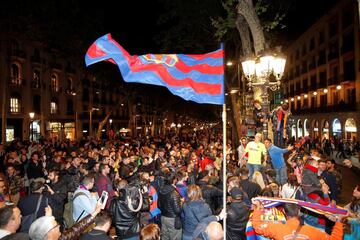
[[178, 222], [27, 220]]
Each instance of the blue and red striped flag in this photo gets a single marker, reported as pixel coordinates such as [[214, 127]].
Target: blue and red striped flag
[[199, 78]]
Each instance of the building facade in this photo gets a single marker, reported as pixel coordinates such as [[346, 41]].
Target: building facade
[[322, 76], [62, 95]]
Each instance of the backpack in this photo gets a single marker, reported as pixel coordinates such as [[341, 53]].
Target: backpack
[[68, 211], [134, 199], [27, 220]]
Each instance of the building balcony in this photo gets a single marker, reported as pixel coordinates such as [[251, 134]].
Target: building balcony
[[35, 59], [17, 82], [16, 110], [346, 107], [17, 53]]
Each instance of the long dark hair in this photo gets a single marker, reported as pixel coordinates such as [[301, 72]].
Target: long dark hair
[[355, 202], [292, 180]]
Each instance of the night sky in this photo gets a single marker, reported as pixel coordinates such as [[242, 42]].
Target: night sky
[[134, 24]]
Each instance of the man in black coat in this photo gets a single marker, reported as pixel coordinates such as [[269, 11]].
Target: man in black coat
[[35, 168], [125, 215], [57, 193], [102, 227], [170, 206], [211, 194], [250, 188], [237, 215]]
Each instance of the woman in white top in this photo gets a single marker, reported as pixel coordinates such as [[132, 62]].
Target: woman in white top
[[290, 188]]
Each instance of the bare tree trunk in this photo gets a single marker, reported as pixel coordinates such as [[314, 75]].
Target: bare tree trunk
[[244, 33], [247, 10], [102, 124]]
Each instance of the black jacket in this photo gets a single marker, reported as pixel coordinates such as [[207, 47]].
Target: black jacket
[[252, 189], [212, 195], [35, 170], [27, 204], [57, 200], [169, 201], [95, 235], [126, 222], [236, 220]]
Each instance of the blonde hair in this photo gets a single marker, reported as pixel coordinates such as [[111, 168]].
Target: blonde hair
[[258, 178], [150, 232], [194, 192]]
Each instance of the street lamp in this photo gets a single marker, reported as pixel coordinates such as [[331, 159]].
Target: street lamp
[[259, 72], [91, 120], [32, 115]]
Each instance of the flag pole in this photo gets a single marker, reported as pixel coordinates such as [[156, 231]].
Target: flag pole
[[224, 166], [224, 145]]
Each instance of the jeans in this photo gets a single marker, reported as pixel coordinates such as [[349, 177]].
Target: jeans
[[281, 175], [279, 138], [168, 230], [253, 168]]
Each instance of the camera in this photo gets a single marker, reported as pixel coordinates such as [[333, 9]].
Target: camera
[[45, 188]]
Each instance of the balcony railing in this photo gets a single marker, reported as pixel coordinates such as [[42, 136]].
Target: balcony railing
[[17, 81], [18, 53], [347, 107]]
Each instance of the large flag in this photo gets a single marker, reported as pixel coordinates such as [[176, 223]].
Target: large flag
[[199, 78]]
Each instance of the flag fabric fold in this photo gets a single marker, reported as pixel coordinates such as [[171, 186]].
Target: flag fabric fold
[[270, 202], [199, 78]]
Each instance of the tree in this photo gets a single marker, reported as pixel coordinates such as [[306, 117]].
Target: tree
[[243, 16]]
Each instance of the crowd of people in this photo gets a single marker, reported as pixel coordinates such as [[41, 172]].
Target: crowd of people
[[168, 188]]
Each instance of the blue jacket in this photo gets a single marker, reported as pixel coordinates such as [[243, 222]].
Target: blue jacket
[[277, 156], [83, 204], [192, 213]]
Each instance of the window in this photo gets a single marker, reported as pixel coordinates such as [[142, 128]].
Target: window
[[333, 28], [37, 104], [335, 97], [69, 84], [349, 70], [313, 81], [35, 82], [69, 107], [303, 50], [14, 105], [313, 102], [53, 107], [54, 83], [347, 17], [323, 100], [312, 44], [321, 37], [15, 75], [305, 103], [322, 79]]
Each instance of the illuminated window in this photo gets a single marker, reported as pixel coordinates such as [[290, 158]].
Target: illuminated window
[[15, 75], [35, 82], [53, 107], [14, 105], [54, 83]]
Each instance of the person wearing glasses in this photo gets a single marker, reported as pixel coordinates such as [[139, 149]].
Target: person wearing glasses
[[46, 227]]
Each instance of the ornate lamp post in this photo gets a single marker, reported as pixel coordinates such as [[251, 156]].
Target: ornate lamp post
[[32, 115], [264, 73]]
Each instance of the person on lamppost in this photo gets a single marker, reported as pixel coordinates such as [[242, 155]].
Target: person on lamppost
[[259, 115], [281, 122]]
